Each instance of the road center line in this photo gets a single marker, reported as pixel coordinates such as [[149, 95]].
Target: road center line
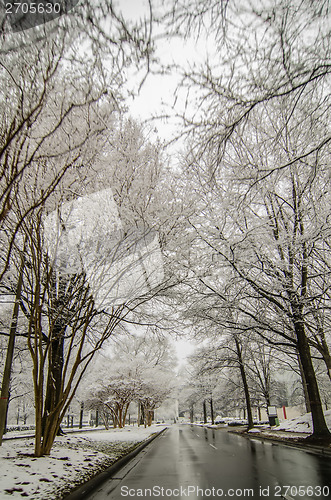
[[198, 435], [213, 446]]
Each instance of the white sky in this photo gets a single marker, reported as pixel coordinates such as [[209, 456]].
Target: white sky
[[157, 95], [183, 349]]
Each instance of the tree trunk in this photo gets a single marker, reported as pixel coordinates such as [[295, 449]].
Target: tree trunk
[[139, 415], [321, 430], [120, 412], [212, 411], [114, 417], [81, 415], [204, 412], [55, 368], [327, 359], [304, 384], [267, 398], [321, 344], [105, 420], [38, 418], [126, 407], [142, 414], [10, 354], [192, 414], [245, 384], [50, 435], [150, 415]]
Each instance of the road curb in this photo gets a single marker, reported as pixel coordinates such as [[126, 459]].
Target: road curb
[[317, 450], [87, 488]]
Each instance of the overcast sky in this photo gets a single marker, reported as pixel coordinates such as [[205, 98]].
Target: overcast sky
[[157, 95]]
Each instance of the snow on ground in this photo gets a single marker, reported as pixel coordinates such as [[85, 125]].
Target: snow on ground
[[302, 424], [295, 426], [73, 460]]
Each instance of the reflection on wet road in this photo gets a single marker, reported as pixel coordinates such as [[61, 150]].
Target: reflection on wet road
[[194, 462]]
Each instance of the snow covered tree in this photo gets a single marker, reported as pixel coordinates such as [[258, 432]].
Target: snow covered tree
[[59, 85], [273, 234], [50, 88], [83, 275], [139, 370], [113, 393], [255, 55]]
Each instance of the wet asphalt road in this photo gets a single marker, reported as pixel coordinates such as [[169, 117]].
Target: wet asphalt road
[[195, 463]]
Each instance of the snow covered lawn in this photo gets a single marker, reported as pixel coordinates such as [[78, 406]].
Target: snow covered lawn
[[292, 429], [302, 424], [74, 459]]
